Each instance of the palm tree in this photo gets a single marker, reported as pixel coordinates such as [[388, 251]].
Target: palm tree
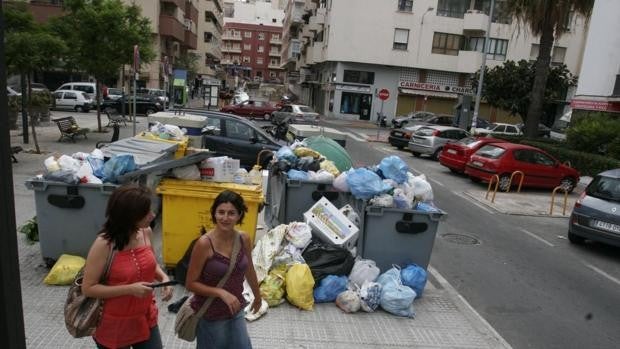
[[546, 18]]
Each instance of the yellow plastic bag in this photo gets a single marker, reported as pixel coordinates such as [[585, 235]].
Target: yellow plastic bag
[[330, 167], [272, 288], [65, 270], [299, 286], [303, 151]]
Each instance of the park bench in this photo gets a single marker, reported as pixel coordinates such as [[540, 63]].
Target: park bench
[[14, 150], [114, 117], [69, 129]]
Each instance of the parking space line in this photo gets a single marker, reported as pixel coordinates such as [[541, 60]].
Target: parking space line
[[436, 182], [538, 238], [480, 206], [602, 273]]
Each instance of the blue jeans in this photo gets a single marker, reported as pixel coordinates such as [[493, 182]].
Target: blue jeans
[[154, 341], [223, 334]]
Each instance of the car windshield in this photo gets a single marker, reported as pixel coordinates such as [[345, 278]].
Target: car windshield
[[305, 109], [491, 151], [469, 141], [605, 188], [425, 131], [114, 91]]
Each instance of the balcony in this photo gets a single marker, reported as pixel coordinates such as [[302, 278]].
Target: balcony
[[274, 53], [231, 49], [469, 61], [275, 41], [191, 11], [191, 40], [274, 66], [178, 3], [213, 49], [170, 26], [310, 5], [227, 36], [475, 21], [306, 32], [319, 16]]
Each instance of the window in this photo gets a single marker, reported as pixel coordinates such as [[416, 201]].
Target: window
[[499, 13], [447, 44], [275, 36], [247, 47], [238, 130], [359, 77], [405, 5], [452, 8], [558, 55], [261, 48], [259, 60], [401, 39], [247, 34], [351, 103], [496, 50], [261, 36], [70, 95], [207, 16], [274, 61], [208, 37], [246, 59], [214, 126]]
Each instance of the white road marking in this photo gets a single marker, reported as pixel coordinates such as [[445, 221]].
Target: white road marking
[[602, 273], [479, 205], [356, 136], [538, 238], [436, 182]]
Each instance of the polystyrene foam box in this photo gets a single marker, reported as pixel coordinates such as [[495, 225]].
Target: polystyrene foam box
[[330, 225]]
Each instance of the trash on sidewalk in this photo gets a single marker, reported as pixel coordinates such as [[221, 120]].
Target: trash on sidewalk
[[64, 270]]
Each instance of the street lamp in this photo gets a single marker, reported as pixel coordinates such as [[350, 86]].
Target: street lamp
[[429, 9], [474, 119]]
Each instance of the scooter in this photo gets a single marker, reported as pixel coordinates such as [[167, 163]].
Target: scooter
[[381, 120], [279, 129]]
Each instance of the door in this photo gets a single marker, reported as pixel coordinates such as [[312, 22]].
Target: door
[[365, 106], [58, 100], [240, 144], [526, 162], [69, 100]]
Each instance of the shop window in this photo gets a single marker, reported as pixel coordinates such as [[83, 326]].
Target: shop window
[[359, 77], [351, 103]]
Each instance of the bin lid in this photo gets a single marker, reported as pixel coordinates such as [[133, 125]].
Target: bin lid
[[331, 150], [144, 151], [180, 187], [165, 165]]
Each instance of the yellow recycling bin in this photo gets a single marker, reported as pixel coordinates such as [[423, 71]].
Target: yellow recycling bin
[[180, 149], [187, 208]]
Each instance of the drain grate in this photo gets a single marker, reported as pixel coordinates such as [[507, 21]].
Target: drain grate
[[461, 239]]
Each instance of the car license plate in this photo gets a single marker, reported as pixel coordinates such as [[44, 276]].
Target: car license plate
[[614, 228], [451, 151], [415, 140], [477, 163], [398, 134]]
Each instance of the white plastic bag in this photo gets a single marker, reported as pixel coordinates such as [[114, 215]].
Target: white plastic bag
[[68, 163], [322, 176], [348, 301], [340, 182], [422, 190], [348, 211], [190, 173], [266, 249], [51, 164], [364, 270], [383, 200], [299, 234]]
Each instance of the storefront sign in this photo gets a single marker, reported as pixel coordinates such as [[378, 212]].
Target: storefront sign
[[353, 88], [585, 104], [435, 87]]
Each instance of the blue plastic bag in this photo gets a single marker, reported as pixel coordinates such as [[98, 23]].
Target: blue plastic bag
[[285, 153], [118, 165], [394, 168], [365, 184], [415, 277], [97, 166], [329, 289], [396, 298], [426, 207], [297, 175]]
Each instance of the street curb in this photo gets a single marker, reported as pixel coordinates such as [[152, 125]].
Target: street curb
[[512, 213], [475, 318]]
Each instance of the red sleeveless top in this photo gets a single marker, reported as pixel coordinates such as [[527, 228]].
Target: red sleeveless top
[[128, 319]]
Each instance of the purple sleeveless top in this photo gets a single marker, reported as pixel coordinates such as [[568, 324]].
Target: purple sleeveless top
[[213, 271]]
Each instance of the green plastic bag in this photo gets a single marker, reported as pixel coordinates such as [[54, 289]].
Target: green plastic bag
[[331, 150], [272, 288]]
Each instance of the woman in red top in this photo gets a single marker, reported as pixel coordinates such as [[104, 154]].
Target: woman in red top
[[129, 317], [223, 325]]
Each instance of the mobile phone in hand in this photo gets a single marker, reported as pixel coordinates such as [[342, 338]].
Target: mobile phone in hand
[[162, 284]]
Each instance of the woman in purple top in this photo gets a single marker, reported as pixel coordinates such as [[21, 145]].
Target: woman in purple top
[[223, 325]]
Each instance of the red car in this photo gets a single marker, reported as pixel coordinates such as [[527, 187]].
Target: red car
[[455, 155], [251, 109], [541, 170]]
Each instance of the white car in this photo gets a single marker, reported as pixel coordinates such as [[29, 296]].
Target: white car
[[73, 99], [499, 129]]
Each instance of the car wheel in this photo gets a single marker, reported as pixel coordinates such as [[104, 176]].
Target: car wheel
[[78, 108], [267, 117], [575, 239], [568, 183], [416, 154], [435, 155], [474, 179], [399, 147], [504, 182], [150, 111], [454, 171]]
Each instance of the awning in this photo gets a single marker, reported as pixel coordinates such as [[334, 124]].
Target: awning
[[409, 91]]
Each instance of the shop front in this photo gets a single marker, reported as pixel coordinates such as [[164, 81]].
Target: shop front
[[353, 101]]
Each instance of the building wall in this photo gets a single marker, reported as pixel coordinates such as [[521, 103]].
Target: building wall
[[209, 53]]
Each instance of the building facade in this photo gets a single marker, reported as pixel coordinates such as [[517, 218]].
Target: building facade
[[210, 27], [424, 53], [598, 89]]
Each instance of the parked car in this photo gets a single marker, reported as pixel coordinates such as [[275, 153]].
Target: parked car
[[399, 137], [161, 95], [236, 137], [239, 97], [543, 130], [12, 92], [456, 154], [540, 169], [251, 109], [560, 126], [401, 121], [499, 129], [35, 86], [114, 93], [145, 105], [295, 113], [429, 140], [596, 215], [72, 99], [87, 87]]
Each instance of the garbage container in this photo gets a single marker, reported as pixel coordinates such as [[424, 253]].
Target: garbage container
[[181, 144], [288, 199], [397, 236], [68, 216], [187, 208], [192, 123]]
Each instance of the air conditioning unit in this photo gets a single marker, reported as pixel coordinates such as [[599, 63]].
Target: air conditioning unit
[[188, 24]]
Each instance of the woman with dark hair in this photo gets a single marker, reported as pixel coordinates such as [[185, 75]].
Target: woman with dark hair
[[129, 317], [223, 325]]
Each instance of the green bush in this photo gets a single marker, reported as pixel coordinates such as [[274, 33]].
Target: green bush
[[596, 134]]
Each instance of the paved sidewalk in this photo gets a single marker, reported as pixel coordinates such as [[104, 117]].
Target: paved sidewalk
[[443, 318]]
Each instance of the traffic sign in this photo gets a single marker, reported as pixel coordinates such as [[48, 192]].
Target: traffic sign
[[384, 94]]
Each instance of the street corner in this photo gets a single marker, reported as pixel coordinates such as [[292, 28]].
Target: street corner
[[524, 203]]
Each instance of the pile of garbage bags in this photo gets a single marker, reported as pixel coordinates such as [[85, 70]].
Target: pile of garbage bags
[[87, 168], [291, 265]]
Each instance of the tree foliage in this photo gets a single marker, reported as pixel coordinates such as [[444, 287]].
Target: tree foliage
[[509, 86]]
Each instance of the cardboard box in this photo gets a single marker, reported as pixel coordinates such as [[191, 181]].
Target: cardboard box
[[331, 225], [219, 169]]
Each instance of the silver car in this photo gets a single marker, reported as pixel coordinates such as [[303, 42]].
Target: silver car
[[295, 113], [596, 215], [429, 140]]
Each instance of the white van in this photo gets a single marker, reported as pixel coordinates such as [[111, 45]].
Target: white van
[[86, 87], [72, 99], [559, 127]]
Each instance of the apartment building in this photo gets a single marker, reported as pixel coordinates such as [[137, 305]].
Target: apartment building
[[251, 43], [423, 52], [598, 89], [210, 27]]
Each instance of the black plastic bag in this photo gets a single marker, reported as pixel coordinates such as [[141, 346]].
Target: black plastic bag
[[324, 259]]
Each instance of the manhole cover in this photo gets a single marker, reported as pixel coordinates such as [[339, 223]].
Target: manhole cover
[[461, 239]]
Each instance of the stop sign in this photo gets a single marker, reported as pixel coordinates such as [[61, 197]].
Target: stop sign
[[384, 94]]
